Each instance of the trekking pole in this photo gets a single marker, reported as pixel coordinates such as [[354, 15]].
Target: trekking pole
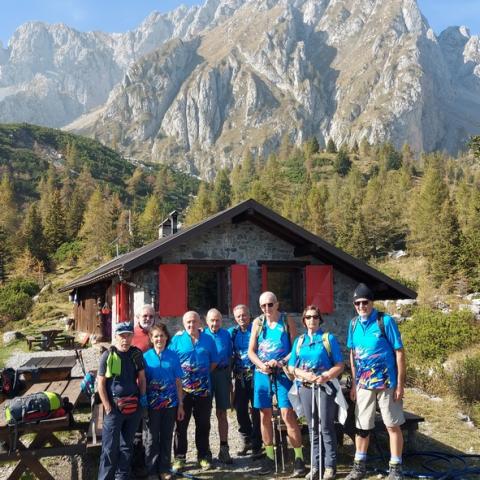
[[273, 382], [312, 429], [320, 439], [279, 422]]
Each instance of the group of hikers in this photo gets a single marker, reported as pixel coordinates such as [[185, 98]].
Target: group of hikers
[[164, 380]]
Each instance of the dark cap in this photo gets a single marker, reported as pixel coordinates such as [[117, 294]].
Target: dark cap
[[123, 327], [362, 291]]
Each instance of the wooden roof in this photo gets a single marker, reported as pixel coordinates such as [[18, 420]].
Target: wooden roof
[[304, 242]]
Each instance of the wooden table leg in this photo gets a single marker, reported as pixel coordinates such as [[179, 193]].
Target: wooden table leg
[[29, 462]]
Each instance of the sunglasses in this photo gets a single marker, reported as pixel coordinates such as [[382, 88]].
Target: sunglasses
[[308, 317], [265, 305], [362, 303]]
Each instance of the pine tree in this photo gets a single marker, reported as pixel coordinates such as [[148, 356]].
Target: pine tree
[[85, 184], [150, 219], [32, 233], [72, 160], [316, 220], [74, 213], [427, 204], [201, 207], [242, 177], [96, 229], [444, 248], [331, 147], [8, 207], [389, 158], [222, 191], [342, 164], [54, 223], [469, 260], [5, 254], [311, 147]]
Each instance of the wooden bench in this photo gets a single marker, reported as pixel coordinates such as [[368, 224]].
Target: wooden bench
[[35, 340], [65, 340], [410, 427], [45, 443]]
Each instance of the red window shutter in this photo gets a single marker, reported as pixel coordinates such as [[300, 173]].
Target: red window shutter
[[319, 283], [239, 282], [264, 278], [172, 290], [122, 302]]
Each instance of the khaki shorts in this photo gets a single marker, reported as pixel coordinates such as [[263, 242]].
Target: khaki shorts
[[365, 407]]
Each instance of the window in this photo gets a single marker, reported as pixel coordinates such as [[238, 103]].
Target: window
[[286, 280], [207, 287]]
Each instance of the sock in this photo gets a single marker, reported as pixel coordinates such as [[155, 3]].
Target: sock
[[298, 452], [360, 457], [396, 460], [269, 452]]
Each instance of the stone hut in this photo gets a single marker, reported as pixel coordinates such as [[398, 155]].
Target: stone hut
[[227, 259]]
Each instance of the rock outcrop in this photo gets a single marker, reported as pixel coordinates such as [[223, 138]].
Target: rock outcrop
[[199, 86]]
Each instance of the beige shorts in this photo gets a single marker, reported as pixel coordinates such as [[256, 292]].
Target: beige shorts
[[365, 408]]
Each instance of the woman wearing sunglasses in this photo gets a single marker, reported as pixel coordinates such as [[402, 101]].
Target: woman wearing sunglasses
[[315, 360]]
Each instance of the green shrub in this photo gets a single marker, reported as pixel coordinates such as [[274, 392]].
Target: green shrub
[[69, 252], [16, 298], [14, 305], [466, 379], [430, 336]]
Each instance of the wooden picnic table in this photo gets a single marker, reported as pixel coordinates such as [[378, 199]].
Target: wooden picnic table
[[49, 337], [28, 455], [48, 369]]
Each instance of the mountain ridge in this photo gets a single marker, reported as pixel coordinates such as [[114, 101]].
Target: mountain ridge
[[200, 86]]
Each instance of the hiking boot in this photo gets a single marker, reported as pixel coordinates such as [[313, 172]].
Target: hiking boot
[[329, 473], [313, 475], [299, 469], [257, 453], [396, 472], [205, 464], [268, 466], [178, 464], [358, 471], [224, 455]]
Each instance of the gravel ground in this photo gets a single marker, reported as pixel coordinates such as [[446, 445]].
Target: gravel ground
[[85, 467]]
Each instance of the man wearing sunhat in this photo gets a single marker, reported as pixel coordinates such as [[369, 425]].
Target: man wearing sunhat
[[377, 359], [122, 387]]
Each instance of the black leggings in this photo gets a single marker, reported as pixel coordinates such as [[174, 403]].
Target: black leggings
[[201, 407]]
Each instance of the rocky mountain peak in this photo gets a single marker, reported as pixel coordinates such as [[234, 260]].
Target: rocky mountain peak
[[201, 85]]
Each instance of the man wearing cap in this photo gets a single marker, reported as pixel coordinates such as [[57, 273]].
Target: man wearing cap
[[198, 357], [144, 321], [243, 376], [122, 387], [221, 379], [378, 372]]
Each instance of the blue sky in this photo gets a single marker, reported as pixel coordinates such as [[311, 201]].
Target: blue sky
[[122, 15]]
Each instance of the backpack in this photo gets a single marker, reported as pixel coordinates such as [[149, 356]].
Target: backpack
[[380, 323], [262, 326], [9, 384], [325, 341], [34, 407], [88, 384], [114, 362]]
